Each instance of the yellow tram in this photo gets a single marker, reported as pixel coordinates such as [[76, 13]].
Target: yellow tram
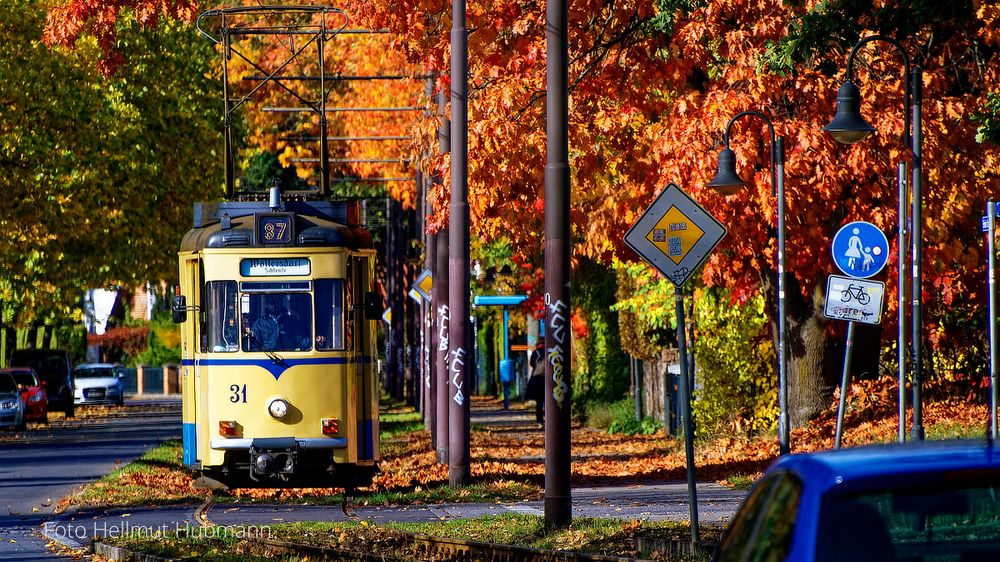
[[278, 320]]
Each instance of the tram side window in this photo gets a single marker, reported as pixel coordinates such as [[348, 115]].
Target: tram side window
[[222, 325], [329, 314]]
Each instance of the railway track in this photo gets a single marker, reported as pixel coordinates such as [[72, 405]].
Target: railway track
[[416, 547]]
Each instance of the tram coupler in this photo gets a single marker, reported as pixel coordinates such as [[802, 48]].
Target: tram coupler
[[273, 457]]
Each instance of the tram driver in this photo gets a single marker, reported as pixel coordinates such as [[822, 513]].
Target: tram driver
[[265, 330]]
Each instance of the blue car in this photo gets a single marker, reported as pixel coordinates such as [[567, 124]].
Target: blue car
[[925, 502]]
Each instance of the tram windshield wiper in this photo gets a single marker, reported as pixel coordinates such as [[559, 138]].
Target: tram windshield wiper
[[271, 354], [274, 357]]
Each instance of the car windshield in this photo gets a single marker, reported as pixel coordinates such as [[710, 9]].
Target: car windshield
[[94, 373], [954, 518], [7, 384], [27, 378]]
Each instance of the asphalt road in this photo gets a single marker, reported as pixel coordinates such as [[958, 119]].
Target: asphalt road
[[36, 472]]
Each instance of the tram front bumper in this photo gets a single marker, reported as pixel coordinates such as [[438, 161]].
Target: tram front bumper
[[276, 457]]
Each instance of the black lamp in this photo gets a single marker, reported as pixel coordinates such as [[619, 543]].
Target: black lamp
[[848, 126], [726, 180]]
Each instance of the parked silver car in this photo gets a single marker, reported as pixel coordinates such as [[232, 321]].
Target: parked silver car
[[98, 383], [12, 405]]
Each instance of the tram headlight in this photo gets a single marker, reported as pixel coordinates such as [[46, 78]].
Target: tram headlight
[[278, 408]]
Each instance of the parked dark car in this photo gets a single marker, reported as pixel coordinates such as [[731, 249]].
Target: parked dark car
[[922, 502], [53, 366]]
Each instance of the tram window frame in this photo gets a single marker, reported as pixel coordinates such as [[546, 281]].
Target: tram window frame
[[329, 337], [254, 306], [220, 301]]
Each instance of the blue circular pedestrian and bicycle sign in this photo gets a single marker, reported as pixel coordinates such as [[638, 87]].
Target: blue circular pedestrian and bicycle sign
[[860, 249]]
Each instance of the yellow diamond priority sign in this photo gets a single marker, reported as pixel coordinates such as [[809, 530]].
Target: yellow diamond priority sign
[[675, 235], [424, 284]]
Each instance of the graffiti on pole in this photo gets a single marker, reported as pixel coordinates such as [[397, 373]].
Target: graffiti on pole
[[427, 351], [444, 315], [556, 354], [456, 367]]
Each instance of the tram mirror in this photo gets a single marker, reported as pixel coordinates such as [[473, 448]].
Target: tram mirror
[[373, 306], [178, 309]]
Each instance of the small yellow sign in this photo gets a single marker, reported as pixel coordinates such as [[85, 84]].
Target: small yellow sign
[[426, 284], [674, 234]]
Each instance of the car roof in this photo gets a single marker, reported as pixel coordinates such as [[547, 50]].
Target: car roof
[[829, 468], [96, 366]]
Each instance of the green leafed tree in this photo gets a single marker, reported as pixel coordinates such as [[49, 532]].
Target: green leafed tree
[[98, 173]]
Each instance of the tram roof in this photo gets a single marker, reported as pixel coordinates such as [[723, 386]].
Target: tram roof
[[233, 224]]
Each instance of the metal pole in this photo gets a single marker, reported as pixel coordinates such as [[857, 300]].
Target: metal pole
[[459, 473], [228, 147], [991, 249], [685, 391], [391, 288], [902, 246], [443, 314], [430, 347], [506, 355], [324, 165], [917, 432], [784, 445], [844, 378], [399, 301], [558, 501], [634, 366]]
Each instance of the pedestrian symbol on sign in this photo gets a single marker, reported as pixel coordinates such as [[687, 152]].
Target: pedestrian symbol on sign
[[860, 249]]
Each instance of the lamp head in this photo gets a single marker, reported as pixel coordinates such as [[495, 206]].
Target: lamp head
[[726, 181], [848, 126]]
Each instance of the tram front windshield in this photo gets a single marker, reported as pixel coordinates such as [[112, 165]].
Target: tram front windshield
[[262, 317]]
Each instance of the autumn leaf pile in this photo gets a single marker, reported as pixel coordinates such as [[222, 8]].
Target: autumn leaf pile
[[508, 461]]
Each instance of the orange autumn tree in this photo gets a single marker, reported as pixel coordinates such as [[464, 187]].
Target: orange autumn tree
[[651, 91], [828, 184], [346, 55], [653, 85]]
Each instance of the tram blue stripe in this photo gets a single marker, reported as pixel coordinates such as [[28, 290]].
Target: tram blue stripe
[[276, 369], [190, 437], [365, 428]]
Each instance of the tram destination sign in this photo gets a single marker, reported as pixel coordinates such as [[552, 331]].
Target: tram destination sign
[[675, 235], [274, 267]]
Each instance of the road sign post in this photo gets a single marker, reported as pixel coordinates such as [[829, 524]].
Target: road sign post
[[676, 235], [860, 250]]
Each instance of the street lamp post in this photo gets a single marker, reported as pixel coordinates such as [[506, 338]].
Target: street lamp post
[[849, 127], [728, 182]]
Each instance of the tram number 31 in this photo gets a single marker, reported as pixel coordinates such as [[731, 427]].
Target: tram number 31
[[239, 394]]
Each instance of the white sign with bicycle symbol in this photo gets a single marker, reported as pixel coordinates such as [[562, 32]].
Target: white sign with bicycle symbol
[[854, 300]]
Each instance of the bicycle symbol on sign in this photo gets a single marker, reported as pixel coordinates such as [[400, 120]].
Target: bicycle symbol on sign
[[855, 292]]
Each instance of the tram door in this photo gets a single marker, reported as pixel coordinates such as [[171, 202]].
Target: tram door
[[364, 348], [189, 390]]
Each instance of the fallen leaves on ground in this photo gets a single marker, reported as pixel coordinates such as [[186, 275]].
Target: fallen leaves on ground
[[508, 461]]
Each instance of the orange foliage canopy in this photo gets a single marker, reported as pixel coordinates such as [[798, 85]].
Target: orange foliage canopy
[[648, 108]]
